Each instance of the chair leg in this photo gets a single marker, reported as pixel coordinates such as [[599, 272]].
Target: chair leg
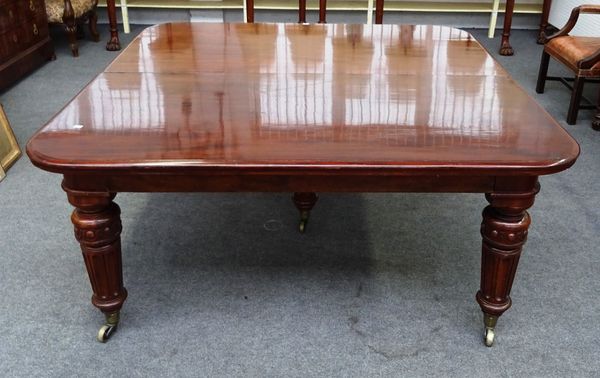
[[575, 100], [71, 28], [72, 35], [93, 23], [543, 73]]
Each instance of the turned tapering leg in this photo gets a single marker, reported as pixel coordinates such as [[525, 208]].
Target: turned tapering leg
[[304, 202], [98, 230], [504, 231]]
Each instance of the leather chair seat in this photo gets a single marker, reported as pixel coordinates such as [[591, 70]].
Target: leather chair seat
[[570, 50]]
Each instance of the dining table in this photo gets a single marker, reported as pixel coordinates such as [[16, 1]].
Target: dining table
[[304, 109]]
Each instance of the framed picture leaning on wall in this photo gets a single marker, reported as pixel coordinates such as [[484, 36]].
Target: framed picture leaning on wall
[[9, 148]]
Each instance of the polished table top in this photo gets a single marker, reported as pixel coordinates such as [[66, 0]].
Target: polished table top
[[400, 98]]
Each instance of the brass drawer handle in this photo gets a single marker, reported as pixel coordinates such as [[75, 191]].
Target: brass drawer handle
[[15, 39], [31, 5], [35, 30], [10, 14]]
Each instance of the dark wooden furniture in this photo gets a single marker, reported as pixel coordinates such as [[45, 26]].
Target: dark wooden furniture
[[24, 40], [544, 20], [505, 47], [113, 43], [580, 54], [72, 14], [305, 109]]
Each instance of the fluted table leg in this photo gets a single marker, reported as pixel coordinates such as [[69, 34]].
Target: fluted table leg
[[504, 231], [98, 230]]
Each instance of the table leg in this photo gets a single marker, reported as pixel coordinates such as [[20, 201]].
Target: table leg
[[304, 203], [504, 231], [505, 48], [98, 230], [544, 21], [113, 43]]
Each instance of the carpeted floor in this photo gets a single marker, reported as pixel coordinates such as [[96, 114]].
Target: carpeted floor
[[224, 285]]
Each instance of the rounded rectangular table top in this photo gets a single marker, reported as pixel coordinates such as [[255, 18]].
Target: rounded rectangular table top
[[398, 98]]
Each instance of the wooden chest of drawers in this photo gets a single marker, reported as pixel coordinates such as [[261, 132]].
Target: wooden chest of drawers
[[24, 40]]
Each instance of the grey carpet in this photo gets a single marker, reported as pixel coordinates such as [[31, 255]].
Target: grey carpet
[[223, 284]]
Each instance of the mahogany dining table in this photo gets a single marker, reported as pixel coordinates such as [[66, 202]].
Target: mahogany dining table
[[302, 109]]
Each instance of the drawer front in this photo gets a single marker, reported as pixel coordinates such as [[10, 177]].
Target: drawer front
[[38, 28], [22, 37], [9, 17], [31, 9], [9, 44]]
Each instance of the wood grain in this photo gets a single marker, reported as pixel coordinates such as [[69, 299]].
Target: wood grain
[[410, 100]]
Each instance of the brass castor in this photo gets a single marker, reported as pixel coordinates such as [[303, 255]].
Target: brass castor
[[106, 331], [303, 220], [490, 324], [489, 337]]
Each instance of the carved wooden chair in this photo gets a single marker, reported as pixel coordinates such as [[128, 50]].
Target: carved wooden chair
[[580, 54], [305, 201], [72, 14]]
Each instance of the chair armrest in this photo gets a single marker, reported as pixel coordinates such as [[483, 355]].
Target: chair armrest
[[590, 61], [590, 8], [573, 20]]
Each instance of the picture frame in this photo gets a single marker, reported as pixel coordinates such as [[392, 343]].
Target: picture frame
[[9, 148]]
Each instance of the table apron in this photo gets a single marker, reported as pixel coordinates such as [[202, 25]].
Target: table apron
[[295, 183]]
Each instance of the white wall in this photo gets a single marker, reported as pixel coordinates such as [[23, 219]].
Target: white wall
[[588, 24]]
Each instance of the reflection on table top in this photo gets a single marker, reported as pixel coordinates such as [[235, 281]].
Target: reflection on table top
[[201, 95]]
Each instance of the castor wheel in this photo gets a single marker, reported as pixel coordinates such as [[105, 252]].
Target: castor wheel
[[304, 202], [490, 324], [489, 337], [302, 226], [106, 331], [303, 220]]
